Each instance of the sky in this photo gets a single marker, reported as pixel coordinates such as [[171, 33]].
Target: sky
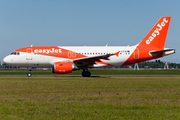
[[85, 23]]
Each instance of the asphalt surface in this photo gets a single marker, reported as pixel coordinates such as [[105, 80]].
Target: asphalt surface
[[94, 77]]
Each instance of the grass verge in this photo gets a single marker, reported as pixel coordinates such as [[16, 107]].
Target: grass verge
[[89, 98]]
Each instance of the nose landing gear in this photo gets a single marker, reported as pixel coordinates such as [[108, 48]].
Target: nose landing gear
[[29, 74]]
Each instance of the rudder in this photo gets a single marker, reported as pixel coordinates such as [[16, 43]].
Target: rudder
[[157, 36], [153, 41]]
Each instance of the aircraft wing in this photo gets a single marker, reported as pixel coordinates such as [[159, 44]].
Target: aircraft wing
[[94, 59]]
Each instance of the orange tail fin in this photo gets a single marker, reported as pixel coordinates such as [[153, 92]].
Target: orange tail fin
[[153, 41], [156, 38]]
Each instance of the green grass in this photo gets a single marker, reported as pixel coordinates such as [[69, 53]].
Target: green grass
[[15, 72], [90, 98]]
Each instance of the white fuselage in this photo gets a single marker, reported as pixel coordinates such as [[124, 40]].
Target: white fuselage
[[25, 59]]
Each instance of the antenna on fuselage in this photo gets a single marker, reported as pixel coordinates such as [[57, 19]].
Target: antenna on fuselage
[[31, 45], [106, 45]]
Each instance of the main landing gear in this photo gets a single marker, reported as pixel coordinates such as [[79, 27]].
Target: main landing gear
[[29, 73], [86, 73]]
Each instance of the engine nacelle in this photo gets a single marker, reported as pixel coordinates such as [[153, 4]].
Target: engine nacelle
[[63, 67]]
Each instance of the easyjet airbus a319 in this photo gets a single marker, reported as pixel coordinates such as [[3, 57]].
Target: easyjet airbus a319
[[64, 59]]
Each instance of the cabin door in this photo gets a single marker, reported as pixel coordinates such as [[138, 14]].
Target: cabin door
[[136, 53], [29, 54]]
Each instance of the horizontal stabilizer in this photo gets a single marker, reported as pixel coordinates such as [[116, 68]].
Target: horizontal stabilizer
[[165, 52]]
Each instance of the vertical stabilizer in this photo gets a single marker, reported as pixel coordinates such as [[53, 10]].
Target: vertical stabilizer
[[153, 41], [157, 36]]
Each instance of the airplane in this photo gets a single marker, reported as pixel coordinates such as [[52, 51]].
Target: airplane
[[65, 59]]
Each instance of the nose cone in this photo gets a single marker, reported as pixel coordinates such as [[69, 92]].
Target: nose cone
[[7, 60]]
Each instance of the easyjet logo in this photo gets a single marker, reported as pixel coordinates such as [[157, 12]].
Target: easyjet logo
[[157, 31], [52, 50]]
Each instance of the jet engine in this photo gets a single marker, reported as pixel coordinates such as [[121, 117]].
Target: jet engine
[[63, 67]]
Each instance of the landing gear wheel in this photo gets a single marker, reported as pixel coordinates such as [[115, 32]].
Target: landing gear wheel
[[29, 74], [86, 74]]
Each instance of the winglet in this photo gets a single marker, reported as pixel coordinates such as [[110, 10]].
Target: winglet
[[117, 53]]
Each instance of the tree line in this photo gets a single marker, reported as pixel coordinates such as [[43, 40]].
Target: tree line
[[148, 64]]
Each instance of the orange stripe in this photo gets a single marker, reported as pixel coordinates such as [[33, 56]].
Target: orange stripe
[[52, 51]]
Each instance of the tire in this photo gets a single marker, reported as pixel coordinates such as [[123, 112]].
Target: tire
[[29, 74], [86, 74]]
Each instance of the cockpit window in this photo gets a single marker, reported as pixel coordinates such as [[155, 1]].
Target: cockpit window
[[15, 53]]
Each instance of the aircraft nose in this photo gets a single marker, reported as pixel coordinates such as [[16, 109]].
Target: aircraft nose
[[7, 60]]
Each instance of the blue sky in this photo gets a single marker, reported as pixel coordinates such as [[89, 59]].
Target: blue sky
[[84, 23]]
